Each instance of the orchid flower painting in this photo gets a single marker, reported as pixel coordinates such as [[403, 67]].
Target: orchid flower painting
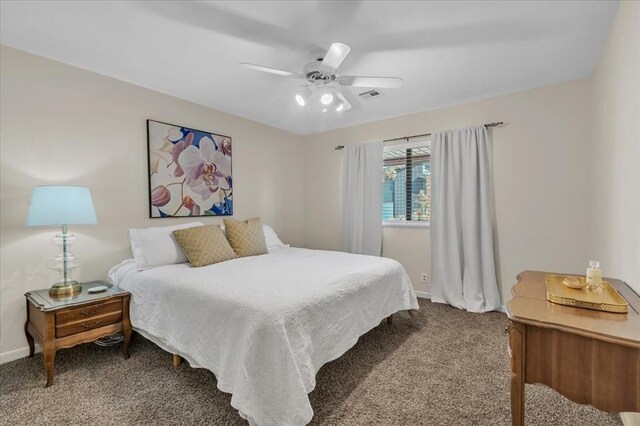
[[189, 172]]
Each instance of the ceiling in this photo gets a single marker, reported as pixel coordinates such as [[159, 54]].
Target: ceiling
[[446, 52]]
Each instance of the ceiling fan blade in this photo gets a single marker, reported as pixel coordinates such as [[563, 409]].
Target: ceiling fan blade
[[379, 82], [334, 57], [269, 70]]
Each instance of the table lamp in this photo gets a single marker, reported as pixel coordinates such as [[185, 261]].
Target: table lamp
[[61, 206]]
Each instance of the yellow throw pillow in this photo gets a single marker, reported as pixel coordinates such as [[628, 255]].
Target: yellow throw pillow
[[204, 245], [246, 237]]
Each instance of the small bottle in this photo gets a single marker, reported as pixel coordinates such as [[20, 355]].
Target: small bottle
[[594, 276]]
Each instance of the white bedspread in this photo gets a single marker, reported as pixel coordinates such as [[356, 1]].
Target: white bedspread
[[264, 325]]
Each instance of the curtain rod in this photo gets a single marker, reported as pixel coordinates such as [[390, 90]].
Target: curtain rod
[[495, 124]]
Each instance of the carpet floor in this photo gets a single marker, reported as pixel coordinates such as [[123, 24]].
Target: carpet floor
[[446, 367]]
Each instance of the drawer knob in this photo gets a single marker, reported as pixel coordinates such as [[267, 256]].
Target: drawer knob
[[92, 325], [88, 314]]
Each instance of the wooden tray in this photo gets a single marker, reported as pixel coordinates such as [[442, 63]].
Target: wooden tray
[[609, 300]]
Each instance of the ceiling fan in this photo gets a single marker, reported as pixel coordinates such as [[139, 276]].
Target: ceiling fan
[[324, 80]]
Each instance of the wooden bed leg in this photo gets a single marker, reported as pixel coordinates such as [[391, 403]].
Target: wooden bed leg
[[390, 319], [413, 313], [177, 360]]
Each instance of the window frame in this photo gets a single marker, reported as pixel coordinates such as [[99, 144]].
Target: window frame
[[408, 224]]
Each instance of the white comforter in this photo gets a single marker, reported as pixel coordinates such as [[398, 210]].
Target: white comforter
[[264, 325]]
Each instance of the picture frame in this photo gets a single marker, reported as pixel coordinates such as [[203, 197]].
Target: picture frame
[[189, 171]]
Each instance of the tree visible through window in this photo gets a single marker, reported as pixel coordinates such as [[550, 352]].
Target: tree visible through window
[[406, 192]]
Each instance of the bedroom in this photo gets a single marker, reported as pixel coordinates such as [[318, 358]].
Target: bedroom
[[84, 86]]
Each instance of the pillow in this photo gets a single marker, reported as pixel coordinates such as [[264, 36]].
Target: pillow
[[246, 237], [157, 246], [271, 238], [204, 245]]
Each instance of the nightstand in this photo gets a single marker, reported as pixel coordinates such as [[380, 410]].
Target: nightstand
[[62, 323]]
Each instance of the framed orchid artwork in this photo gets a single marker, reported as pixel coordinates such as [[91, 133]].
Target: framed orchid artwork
[[189, 172]]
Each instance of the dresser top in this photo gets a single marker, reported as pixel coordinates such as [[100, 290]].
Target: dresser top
[[530, 306], [41, 298]]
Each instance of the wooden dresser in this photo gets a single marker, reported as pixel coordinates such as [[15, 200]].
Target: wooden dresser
[[85, 317], [590, 357]]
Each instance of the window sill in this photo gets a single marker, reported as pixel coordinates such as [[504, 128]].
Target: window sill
[[406, 225]]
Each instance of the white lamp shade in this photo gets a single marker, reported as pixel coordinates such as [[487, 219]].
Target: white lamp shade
[[61, 205]]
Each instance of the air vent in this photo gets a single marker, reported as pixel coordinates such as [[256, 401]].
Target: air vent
[[370, 94]]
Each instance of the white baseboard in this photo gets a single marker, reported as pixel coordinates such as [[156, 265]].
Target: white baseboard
[[630, 419], [16, 354], [423, 294], [427, 295]]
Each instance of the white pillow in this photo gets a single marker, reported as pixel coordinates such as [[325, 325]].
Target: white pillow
[[270, 236], [157, 246]]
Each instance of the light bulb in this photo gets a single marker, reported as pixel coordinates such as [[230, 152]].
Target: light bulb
[[303, 95], [340, 107], [326, 98]]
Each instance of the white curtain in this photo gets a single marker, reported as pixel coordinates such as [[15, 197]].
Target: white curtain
[[462, 260], [362, 198]]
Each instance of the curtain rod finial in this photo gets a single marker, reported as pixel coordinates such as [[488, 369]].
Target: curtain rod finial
[[339, 147]]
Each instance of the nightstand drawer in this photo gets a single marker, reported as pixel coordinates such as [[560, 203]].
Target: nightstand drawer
[[88, 324], [88, 311]]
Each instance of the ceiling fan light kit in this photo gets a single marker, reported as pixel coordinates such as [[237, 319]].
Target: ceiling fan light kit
[[326, 98], [342, 104], [322, 74], [303, 95]]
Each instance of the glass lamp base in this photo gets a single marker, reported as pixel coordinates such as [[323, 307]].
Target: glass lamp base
[[65, 289]]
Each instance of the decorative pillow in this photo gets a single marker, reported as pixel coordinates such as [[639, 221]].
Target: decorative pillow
[[246, 237], [271, 238], [204, 245], [157, 246]]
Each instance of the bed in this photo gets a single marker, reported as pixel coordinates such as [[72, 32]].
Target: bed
[[264, 325]]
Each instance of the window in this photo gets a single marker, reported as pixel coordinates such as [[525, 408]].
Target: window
[[406, 191]]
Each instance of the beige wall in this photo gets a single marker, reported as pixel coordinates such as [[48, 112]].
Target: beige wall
[[61, 124], [615, 177], [539, 160]]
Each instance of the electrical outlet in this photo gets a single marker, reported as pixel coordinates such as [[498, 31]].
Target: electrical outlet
[[425, 278]]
